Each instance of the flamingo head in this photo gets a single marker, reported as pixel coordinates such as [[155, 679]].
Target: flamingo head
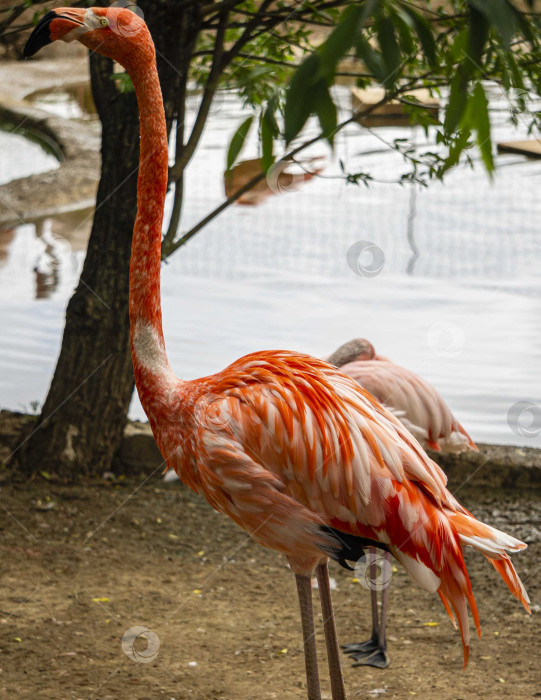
[[352, 351], [116, 32]]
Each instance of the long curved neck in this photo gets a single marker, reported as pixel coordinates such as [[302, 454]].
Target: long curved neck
[[149, 358]]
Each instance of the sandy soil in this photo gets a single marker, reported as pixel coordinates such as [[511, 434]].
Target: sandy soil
[[82, 564]]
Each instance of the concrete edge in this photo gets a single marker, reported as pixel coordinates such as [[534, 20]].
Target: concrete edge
[[496, 467]]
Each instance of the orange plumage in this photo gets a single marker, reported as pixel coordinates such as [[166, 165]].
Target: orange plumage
[[285, 444]]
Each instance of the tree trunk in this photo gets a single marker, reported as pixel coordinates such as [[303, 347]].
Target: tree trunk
[[81, 424]]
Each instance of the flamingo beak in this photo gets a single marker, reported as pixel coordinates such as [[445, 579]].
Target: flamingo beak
[[52, 26]]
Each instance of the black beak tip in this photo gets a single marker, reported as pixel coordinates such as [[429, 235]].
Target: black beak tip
[[40, 37]]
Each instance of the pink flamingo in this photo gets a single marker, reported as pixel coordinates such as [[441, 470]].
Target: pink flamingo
[[422, 410], [292, 449], [414, 401]]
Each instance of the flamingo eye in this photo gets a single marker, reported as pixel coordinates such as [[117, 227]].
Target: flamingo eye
[[104, 22]]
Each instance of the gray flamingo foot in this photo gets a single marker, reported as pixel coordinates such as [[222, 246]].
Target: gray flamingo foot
[[362, 648], [378, 659]]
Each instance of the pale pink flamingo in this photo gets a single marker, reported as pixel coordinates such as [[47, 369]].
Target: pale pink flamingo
[[292, 449], [422, 410], [415, 402]]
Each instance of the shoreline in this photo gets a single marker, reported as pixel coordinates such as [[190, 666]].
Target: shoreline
[[75, 142], [494, 466]]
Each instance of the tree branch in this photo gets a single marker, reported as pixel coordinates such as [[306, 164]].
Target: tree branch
[[180, 104], [206, 100], [406, 87]]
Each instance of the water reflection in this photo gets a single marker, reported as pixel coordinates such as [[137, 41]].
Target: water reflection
[[6, 238], [463, 255], [50, 251], [73, 101], [19, 156], [410, 230]]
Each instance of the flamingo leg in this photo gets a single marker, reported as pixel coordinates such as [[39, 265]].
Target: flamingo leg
[[360, 649], [373, 652], [304, 591], [382, 641], [331, 639]]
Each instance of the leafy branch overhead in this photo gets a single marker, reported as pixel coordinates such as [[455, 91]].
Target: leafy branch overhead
[[459, 49], [284, 57]]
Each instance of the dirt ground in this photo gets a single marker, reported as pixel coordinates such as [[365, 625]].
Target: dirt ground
[[84, 563]]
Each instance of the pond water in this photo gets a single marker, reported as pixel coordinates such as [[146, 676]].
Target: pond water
[[20, 157], [464, 312], [72, 101]]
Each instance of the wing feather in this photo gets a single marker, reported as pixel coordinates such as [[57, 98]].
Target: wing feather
[[292, 444]]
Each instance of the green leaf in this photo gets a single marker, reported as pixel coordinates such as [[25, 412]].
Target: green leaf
[[500, 14], [460, 45], [269, 129], [477, 36], [237, 142], [404, 24], [481, 122], [457, 103], [516, 75], [341, 39], [267, 144], [389, 48], [461, 143], [123, 81], [372, 59], [424, 32], [299, 99], [528, 31], [325, 110]]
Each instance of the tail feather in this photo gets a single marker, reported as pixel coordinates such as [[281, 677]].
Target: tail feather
[[488, 540], [452, 587], [447, 607], [471, 443], [505, 568], [444, 568], [456, 588]]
